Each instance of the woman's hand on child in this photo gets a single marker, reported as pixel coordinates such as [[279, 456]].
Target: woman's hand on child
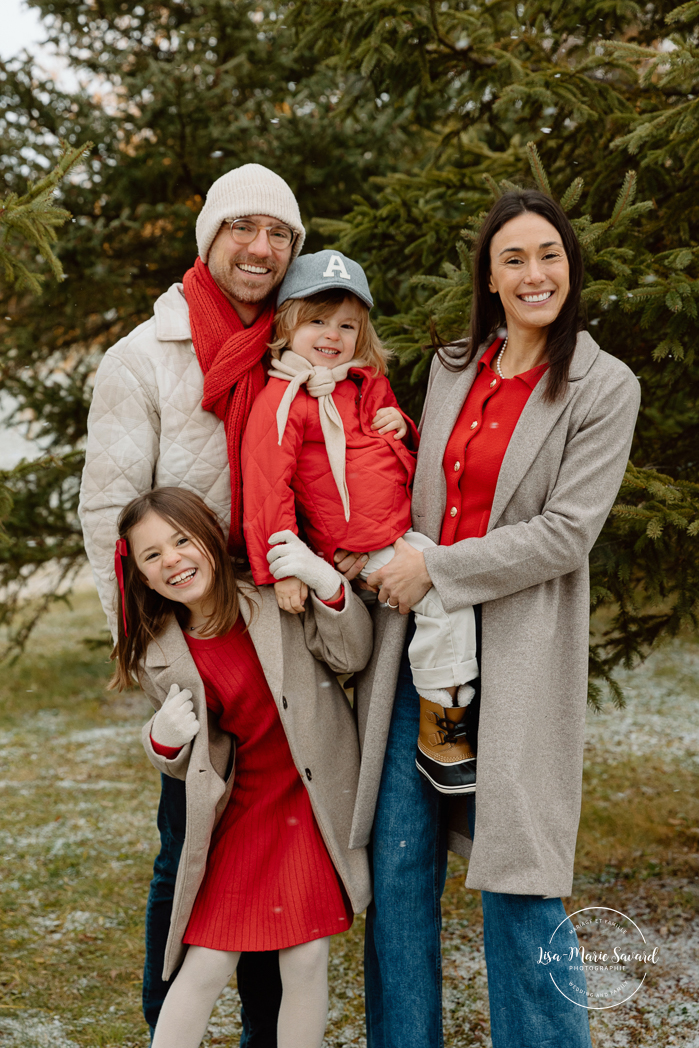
[[290, 556], [387, 419], [291, 595], [175, 724], [404, 580]]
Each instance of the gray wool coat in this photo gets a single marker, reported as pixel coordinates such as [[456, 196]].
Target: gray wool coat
[[300, 655], [558, 481]]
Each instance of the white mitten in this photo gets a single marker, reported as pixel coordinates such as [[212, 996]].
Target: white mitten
[[175, 724], [290, 556]]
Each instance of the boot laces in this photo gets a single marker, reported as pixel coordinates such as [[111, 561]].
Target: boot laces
[[451, 731]]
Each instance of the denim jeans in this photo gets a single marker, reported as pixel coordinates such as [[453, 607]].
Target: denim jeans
[[259, 984], [403, 964]]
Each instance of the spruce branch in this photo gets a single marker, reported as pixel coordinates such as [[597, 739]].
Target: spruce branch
[[31, 220], [625, 197], [684, 13], [572, 194], [492, 185], [540, 176]]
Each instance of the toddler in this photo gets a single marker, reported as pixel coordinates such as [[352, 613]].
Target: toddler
[[327, 446]]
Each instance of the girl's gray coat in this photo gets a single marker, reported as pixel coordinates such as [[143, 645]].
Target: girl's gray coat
[[300, 655], [558, 481]]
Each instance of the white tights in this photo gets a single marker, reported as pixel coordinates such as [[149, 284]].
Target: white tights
[[204, 974]]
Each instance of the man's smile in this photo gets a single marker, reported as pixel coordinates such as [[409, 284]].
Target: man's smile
[[248, 268]]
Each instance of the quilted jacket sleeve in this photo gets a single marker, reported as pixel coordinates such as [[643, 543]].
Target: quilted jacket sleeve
[[411, 439], [268, 470], [123, 434]]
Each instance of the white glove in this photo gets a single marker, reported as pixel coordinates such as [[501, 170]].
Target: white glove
[[175, 724], [293, 557]]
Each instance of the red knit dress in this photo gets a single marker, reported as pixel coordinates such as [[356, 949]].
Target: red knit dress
[[269, 880]]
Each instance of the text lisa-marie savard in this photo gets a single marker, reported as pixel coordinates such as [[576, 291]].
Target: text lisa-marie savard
[[617, 956]]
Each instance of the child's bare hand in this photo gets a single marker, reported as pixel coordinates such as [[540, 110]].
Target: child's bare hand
[[349, 564], [291, 594], [387, 419]]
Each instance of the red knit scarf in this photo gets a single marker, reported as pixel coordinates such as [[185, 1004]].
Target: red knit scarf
[[230, 357]]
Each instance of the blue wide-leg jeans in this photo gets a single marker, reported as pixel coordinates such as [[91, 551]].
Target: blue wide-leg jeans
[[259, 983], [403, 966]]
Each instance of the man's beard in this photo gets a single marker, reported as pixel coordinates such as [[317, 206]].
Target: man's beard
[[232, 280]]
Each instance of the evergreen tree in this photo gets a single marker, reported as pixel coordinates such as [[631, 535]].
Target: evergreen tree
[[395, 122], [28, 225], [184, 93], [593, 103]]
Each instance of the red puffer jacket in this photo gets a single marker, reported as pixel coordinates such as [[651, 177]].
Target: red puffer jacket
[[278, 481]]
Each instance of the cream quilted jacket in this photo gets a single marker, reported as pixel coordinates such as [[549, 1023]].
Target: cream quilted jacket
[[147, 428]]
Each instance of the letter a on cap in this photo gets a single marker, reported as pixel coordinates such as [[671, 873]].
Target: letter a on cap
[[336, 265]]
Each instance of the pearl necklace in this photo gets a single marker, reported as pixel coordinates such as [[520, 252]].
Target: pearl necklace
[[499, 358]]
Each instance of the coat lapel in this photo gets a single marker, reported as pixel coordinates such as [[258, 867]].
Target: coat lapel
[[532, 429], [264, 624], [164, 659], [428, 511], [534, 425]]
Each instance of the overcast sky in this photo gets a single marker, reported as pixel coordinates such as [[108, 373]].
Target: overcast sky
[[21, 28]]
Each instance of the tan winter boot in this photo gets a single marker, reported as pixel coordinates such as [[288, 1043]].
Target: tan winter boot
[[443, 754]]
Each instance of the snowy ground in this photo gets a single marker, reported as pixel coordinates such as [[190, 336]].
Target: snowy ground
[[662, 710], [77, 840]]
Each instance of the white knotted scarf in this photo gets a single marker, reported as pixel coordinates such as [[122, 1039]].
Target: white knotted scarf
[[320, 383]]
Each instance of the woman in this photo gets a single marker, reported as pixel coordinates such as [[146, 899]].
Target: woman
[[525, 438]]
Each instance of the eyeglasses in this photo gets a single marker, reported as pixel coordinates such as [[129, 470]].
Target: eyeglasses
[[245, 231]]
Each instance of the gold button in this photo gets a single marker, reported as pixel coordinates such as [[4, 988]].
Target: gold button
[[457, 465], [473, 425], [493, 383], [453, 511]]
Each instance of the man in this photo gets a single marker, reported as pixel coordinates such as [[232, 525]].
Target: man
[[170, 405]]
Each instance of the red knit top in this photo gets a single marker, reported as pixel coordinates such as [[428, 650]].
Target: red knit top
[[478, 443], [270, 882]]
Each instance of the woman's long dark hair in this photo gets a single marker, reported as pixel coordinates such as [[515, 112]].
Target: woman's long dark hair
[[487, 313], [147, 612]]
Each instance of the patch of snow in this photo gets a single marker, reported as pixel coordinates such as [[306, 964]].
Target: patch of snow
[[101, 784], [661, 716], [114, 733], [33, 1032]]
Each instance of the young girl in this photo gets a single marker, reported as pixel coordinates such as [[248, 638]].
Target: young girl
[[251, 715], [327, 440]]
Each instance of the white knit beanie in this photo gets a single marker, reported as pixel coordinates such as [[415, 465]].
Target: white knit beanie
[[248, 190]]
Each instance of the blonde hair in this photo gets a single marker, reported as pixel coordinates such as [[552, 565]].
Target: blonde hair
[[297, 311]]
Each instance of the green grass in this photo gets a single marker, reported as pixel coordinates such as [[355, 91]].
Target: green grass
[[78, 838], [640, 816]]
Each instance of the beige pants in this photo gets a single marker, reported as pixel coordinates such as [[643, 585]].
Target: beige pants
[[443, 651]]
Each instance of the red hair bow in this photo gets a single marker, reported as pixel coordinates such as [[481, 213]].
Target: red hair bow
[[122, 550]]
